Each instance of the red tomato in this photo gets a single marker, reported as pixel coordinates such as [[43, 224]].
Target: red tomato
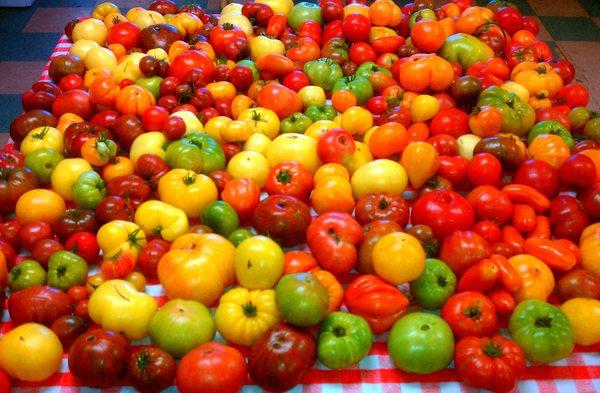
[[463, 249], [154, 118], [444, 211], [296, 80], [361, 52], [491, 204], [489, 230], [298, 262], [483, 169], [573, 95], [289, 178], [444, 144], [470, 314], [336, 146], [212, 368], [451, 121], [373, 207], [186, 61], [32, 232], [43, 250], [453, 169], [151, 369], [280, 99], [124, 33], [150, 256], [356, 27], [539, 175], [243, 195]]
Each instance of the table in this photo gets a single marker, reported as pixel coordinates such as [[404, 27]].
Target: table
[[374, 374]]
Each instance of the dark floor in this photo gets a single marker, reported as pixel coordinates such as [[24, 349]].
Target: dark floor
[[28, 36]]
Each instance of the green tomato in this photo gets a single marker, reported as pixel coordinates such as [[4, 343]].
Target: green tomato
[[180, 326], [551, 127], [66, 269], [42, 162], [239, 235], [89, 190], [320, 112], [592, 129], [367, 69], [301, 299], [184, 154], [578, 117], [542, 330], [344, 339], [302, 12], [250, 64], [360, 86], [297, 123], [422, 14], [465, 50], [421, 343], [323, 72], [151, 84], [213, 157], [220, 216], [26, 274], [517, 116], [435, 285]]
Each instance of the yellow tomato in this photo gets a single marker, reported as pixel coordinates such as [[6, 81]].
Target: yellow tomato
[[95, 73], [379, 176], [357, 8], [261, 120], [232, 8], [398, 258], [312, 95], [380, 31], [214, 126], [100, 57], [66, 173], [258, 263], [238, 20], [114, 18], [279, 6], [39, 205], [359, 157], [41, 138], [104, 9], [319, 127], [134, 12], [584, 316], [148, 143], [424, 107], [90, 29], [421, 162], [258, 143], [249, 165], [119, 166], [236, 131], [538, 280], [30, 352], [148, 18], [82, 47], [222, 90], [159, 54], [262, 46], [294, 147], [66, 120], [192, 123], [129, 67], [331, 169], [590, 249], [187, 190], [367, 136], [357, 120], [466, 144], [186, 23], [517, 88]]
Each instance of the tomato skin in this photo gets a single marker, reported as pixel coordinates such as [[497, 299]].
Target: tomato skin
[[289, 178], [243, 195], [39, 304], [470, 314], [484, 168], [495, 363], [211, 368], [284, 218], [379, 206], [568, 217], [356, 27], [500, 211], [451, 121], [444, 211], [539, 175], [151, 369], [124, 33], [188, 60], [579, 283], [462, 249]]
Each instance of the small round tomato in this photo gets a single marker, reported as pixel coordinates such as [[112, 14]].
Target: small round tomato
[[398, 258], [470, 314], [39, 205], [258, 263], [484, 168]]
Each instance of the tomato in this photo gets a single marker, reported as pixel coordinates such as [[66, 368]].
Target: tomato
[[151, 369], [444, 211], [579, 283], [189, 59], [427, 35], [398, 249], [258, 263], [289, 178], [243, 195], [538, 280], [500, 211], [381, 175], [211, 367], [32, 232], [280, 99], [470, 314], [356, 27], [39, 304], [539, 175], [39, 205], [379, 206], [568, 217]]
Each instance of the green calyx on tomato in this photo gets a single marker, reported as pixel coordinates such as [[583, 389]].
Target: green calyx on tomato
[[220, 216], [89, 190], [542, 330], [360, 86], [550, 127], [297, 123], [435, 285], [367, 69], [517, 116], [344, 339], [26, 274], [465, 50], [323, 72], [320, 112], [66, 269]]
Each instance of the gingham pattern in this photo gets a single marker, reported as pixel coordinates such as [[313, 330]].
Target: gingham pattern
[[374, 374]]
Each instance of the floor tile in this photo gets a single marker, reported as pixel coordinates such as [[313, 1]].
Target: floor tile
[[15, 19], [571, 29], [591, 6], [27, 46], [584, 56], [127, 4], [4, 139], [27, 71], [543, 34], [53, 20], [64, 3], [596, 20], [10, 108], [558, 8]]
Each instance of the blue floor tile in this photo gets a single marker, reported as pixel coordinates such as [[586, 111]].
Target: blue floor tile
[[64, 3], [14, 19], [10, 108], [27, 46]]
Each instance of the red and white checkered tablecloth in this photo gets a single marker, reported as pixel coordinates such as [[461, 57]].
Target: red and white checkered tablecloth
[[374, 374]]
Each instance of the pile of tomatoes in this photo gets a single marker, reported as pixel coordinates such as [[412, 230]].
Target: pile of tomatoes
[[296, 179]]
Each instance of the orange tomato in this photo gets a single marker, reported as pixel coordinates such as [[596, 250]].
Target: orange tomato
[[134, 100], [421, 161], [385, 13], [177, 48], [39, 205], [239, 104], [66, 120], [91, 154], [595, 156], [451, 10], [448, 26], [222, 90], [418, 132], [485, 121], [590, 249], [524, 37], [538, 280], [104, 91], [118, 49], [95, 73], [334, 194], [331, 169], [472, 18], [279, 99], [426, 71], [119, 166], [342, 100], [3, 271], [388, 139], [549, 148], [427, 35], [298, 262], [333, 286]]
